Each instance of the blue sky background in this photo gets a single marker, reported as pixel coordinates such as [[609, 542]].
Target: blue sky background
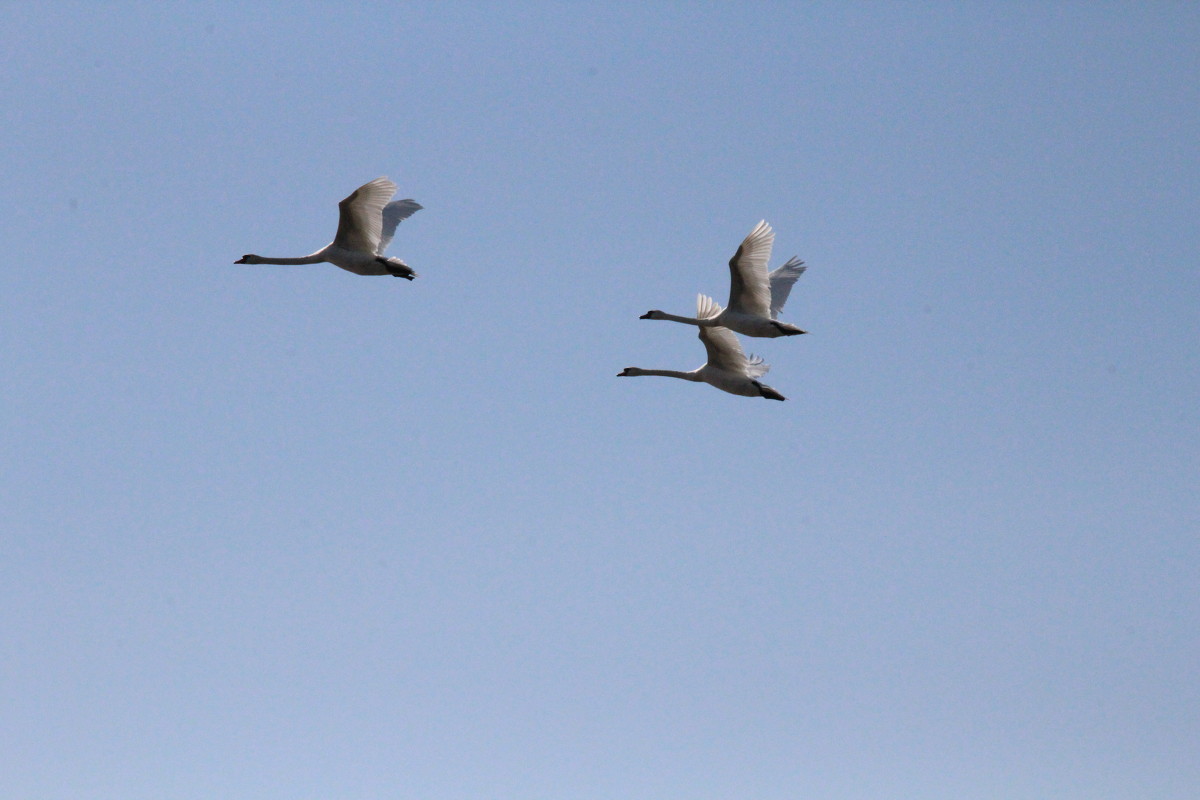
[[285, 532]]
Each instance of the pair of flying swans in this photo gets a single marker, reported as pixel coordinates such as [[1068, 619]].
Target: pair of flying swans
[[755, 299], [366, 224], [728, 368]]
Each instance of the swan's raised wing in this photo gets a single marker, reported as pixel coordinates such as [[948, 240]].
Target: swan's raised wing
[[360, 222], [749, 290], [393, 213], [781, 283]]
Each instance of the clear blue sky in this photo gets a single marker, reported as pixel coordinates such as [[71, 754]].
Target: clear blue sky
[[285, 532]]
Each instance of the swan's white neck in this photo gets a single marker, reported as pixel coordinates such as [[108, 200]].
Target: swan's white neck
[[315, 258], [699, 323], [663, 373]]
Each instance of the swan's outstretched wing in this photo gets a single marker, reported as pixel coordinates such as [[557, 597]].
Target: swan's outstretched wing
[[724, 350], [781, 283], [360, 222], [393, 213], [749, 290]]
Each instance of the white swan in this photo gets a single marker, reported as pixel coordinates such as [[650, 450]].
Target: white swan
[[728, 368], [755, 297], [366, 224]]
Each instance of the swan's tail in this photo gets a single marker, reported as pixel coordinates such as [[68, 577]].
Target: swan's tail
[[397, 268], [768, 392]]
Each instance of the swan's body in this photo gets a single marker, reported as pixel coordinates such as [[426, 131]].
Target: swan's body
[[728, 368], [755, 296], [366, 224]]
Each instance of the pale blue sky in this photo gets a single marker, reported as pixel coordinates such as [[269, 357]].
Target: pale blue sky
[[275, 532]]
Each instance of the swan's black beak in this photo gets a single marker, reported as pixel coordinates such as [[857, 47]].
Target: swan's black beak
[[647, 315], [241, 260]]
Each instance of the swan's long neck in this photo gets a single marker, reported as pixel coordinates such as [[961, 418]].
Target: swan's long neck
[[664, 373], [699, 323], [315, 258]]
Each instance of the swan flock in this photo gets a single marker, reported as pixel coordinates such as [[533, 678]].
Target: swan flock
[[367, 223]]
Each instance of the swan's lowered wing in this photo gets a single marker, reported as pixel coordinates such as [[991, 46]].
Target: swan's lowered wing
[[724, 350]]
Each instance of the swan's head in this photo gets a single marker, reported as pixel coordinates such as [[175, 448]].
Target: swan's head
[[655, 314], [249, 258], [629, 372]]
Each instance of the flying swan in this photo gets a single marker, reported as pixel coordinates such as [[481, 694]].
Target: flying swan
[[366, 224], [728, 368], [755, 297]]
